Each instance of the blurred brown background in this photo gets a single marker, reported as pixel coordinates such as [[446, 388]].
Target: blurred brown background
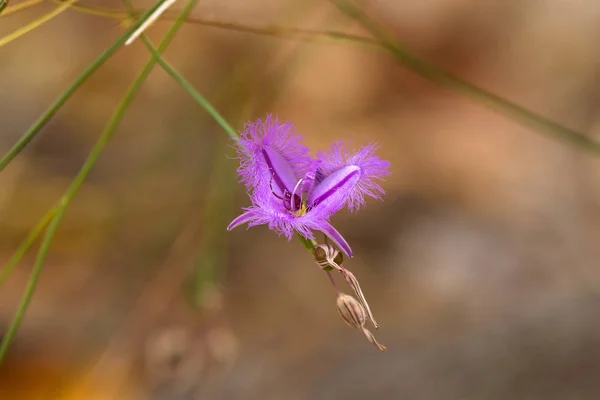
[[480, 264]]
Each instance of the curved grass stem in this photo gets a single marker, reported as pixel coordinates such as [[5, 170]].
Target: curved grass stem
[[12, 263], [17, 7], [79, 179], [36, 23], [31, 285]]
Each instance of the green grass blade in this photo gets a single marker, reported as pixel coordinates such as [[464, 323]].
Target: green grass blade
[[439, 76], [36, 23], [31, 285], [25, 245], [82, 174], [62, 99], [3, 4]]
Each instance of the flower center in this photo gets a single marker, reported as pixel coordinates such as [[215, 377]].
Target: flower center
[[292, 202]]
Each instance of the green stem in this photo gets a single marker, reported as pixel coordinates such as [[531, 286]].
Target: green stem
[[443, 78], [82, 174], [31, 285], [25, 245], [190, 89], [62, 99]]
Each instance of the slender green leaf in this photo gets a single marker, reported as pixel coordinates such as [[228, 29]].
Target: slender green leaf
[[25, 245], [31, 285]]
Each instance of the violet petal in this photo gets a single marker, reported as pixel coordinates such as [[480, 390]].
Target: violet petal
[[280, 170], [333, 190], [336, 238], [242, 219]]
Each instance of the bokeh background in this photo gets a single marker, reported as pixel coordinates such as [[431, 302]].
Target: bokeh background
[[481, 263]]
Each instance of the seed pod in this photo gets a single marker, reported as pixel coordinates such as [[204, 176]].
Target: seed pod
[[355, 315], [352, 311], [328, 257]]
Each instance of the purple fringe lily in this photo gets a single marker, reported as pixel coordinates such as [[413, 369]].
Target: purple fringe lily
[[292, 192]]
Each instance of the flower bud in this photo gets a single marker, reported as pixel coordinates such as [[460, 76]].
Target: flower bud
[[355, 315], [328, 257], [351, 311]]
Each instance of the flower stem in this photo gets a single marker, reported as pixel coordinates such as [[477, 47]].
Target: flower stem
[[210, 109], [11, 264]]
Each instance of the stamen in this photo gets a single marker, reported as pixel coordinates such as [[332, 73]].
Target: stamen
[[272, 191], [293, 199]]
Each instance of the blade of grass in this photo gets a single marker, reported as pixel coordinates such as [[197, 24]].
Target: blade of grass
[[81, 176], [36, 23], [30, 289], [11, 264], [443, 78], [3, 4], [61, 100]]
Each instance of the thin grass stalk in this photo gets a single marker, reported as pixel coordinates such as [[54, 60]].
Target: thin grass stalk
[[30, 134], [79, 179]]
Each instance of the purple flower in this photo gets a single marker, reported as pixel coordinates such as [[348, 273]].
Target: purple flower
[[291, 192]]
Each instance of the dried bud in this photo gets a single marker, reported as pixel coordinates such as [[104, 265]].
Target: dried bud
[[355, 315], [351, 311], [328, 257]]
